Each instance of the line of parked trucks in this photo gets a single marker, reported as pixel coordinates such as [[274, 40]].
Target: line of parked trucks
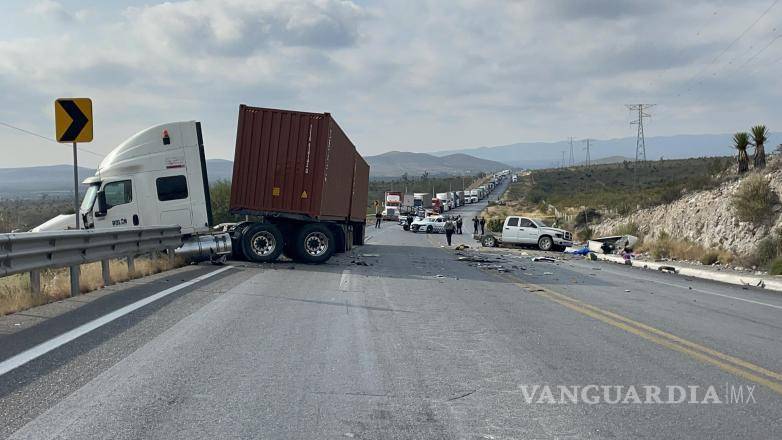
[[398, 203]]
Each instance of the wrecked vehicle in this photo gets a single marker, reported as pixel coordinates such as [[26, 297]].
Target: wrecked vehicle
[[523, 230], [612, 244]]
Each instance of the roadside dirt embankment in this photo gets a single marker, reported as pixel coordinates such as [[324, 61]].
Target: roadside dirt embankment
[[704, 217]]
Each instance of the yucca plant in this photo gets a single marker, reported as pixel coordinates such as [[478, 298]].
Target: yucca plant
[[740, 143], [759, 137]]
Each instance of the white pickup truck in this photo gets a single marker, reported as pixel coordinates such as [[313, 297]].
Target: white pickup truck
[[523, 230]]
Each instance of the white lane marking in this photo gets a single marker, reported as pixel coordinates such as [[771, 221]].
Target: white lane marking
[[344, 281], [45, 347], [688, 288]]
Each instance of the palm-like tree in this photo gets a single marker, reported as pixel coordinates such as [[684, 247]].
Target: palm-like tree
[[759, 137], [740, 143]]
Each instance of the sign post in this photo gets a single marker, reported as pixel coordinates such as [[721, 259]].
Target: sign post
[[73, 124]]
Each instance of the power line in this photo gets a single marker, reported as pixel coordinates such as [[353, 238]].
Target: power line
[[31, 133], [640, 140], [724, 51], [587, 153], [572, 159]]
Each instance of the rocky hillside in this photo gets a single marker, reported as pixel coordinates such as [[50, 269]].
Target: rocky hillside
[[704, 217]]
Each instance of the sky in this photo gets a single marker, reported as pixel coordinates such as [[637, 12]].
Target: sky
[[410, 75]]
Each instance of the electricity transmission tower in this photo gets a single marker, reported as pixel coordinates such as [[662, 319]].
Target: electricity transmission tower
[[572, 159], [587, 153], [640, 141]]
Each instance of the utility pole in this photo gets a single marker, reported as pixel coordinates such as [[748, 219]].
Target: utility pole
[[640, 141], [588, 160], [572, 159]]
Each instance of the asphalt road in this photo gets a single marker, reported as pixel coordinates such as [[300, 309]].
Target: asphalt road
[[403, 340]]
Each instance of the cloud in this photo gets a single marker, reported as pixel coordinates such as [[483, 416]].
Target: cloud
[[245, 27], [408, 74], [53, 9]]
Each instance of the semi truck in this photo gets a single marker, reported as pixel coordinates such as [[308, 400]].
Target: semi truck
[[393, 205], [422, 200], [297, 180]]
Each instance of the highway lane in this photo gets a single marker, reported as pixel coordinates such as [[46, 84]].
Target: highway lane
[[413, 345]]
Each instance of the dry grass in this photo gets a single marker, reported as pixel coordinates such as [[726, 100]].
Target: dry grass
[[665, 247], [15, 292]]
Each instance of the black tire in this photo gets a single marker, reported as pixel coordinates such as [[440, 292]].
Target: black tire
[[314, 243], [429, 229], [488, 241], [237, 253], [262, 243], [545, 243], [415, 228]]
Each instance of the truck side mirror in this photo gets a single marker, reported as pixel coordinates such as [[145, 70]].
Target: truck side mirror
[[102, 207]]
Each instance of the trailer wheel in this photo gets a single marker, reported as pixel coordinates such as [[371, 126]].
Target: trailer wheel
[[262, 243], [315, 243]]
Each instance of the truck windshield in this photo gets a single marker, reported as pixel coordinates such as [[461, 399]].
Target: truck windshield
[[89, 198], [541, 223]]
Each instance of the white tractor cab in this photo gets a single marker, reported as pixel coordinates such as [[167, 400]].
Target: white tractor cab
[[156, 177]]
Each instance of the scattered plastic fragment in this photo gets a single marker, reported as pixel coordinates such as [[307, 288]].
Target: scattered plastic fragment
[[546, 259]]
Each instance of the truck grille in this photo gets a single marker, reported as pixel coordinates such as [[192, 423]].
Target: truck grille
[[568, 236]]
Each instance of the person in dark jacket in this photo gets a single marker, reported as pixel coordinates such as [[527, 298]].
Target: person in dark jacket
[[459, 225], [449, 228], [483, 224], [378, 219], [475, 224]]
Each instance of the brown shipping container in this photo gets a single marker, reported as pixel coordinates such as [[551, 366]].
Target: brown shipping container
[[358, 207], [295, 163]]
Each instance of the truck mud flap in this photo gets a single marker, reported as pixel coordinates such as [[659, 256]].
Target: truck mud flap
[[358, 234]]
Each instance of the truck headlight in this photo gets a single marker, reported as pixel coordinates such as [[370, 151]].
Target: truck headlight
[[558, 235]]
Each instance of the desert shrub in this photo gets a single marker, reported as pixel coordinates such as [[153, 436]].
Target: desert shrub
[[495, 224], [585, 234], [754, 200], [591, 214], [776, 267], [767, 250], [666, 247], [710, 258], [627, 229]]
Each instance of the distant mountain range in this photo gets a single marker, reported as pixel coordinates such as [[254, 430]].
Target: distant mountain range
[[549, 154], [397, 163], [57, 180]]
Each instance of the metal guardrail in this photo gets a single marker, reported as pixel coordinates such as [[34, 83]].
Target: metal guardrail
[[35, 251]]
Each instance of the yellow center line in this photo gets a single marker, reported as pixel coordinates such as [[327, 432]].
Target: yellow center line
[[731, 364]]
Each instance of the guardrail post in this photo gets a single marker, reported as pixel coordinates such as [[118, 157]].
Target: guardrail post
[[104, 268], [35, 281], [131, 266], [171, 257], [75, 289]]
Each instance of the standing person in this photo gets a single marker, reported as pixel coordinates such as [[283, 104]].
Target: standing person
[[483, 224], [449, 228], [475, 225], [459, 225], [409, 220], [378, 219]]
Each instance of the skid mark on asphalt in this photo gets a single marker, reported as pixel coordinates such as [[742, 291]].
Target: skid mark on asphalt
[[731, 364], [692, 289]]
